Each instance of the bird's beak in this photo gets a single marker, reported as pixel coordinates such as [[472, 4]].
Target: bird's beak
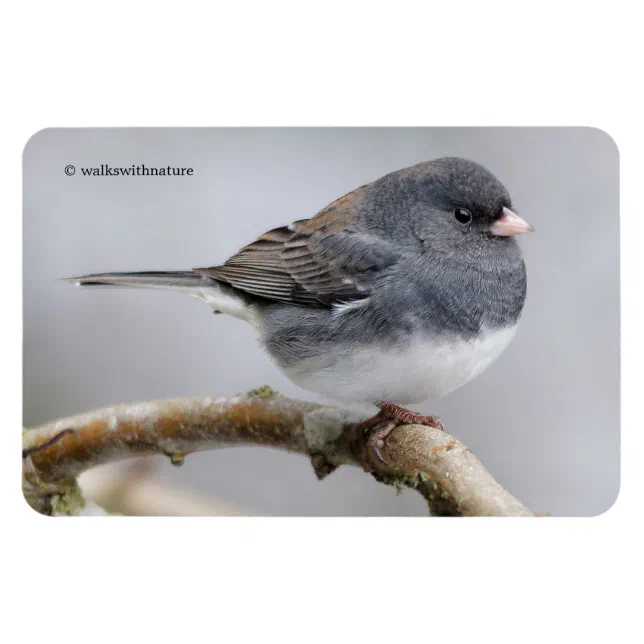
[[510, 224]]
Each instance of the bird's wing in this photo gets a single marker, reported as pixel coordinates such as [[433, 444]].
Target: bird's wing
[[313, 262]]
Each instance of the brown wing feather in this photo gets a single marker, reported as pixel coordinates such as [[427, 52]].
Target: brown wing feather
[[282, 265]]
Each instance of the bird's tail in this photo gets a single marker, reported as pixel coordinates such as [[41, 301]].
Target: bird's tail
[[220, 297], [184, 280]]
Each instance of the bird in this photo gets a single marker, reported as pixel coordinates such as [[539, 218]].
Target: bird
[[398, 292]]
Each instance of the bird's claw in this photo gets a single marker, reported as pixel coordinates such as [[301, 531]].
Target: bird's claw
[[378, 427]]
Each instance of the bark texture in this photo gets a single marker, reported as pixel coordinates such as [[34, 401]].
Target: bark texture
[[443, 470]]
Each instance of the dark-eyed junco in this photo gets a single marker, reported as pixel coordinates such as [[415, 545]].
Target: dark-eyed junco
[[398, 292]]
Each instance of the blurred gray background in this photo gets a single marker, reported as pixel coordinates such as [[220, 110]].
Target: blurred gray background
[[544, 419]]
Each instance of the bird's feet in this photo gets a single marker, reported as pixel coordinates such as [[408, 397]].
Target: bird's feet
[[406, 417], [378, 427]]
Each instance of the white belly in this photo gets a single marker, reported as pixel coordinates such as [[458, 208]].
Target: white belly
[[424, 369]]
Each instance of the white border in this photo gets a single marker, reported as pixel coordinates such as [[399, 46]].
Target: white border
[[331, 64]]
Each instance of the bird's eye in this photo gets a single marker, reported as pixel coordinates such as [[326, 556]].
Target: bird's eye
[[463, 216]]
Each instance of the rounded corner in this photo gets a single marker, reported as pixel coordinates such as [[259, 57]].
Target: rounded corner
[[32, 138], [605, 135], [31, 507], [612, 504]]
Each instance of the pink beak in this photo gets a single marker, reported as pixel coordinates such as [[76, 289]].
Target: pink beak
[[510, 224]]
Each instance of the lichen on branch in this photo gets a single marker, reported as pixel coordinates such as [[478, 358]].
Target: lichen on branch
[[451, 479]]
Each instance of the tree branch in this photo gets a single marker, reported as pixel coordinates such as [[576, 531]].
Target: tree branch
[[133, 490], [445, 472]]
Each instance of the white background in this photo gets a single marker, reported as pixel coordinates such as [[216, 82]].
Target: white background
[[237, 580]]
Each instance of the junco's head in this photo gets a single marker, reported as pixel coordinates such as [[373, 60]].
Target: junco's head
[[447, 203]]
